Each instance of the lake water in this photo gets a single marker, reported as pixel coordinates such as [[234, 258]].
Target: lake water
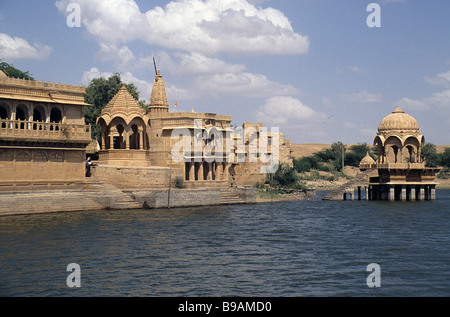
[[305, 248]]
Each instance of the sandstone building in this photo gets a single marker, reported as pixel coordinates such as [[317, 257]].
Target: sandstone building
[[43, 135], [201, 149], [401, 170]]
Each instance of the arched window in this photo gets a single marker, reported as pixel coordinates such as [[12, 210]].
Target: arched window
[[3, 115], [3, 112], [55, 115], [21, 114]]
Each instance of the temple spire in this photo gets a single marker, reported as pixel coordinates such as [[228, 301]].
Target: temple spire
[[158, 101]]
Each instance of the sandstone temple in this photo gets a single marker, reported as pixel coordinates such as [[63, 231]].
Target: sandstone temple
[[43, 141], [399, 173]]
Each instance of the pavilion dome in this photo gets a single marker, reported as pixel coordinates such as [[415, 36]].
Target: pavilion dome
[[2, 74], [398, 120], [367, 160]]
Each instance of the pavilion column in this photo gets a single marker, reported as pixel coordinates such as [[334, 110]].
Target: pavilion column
[[432, 192], [140, 146], [219, 168], [126, 139], [192, 171], [367, 192], [412, 194], [403, 193], [209, 174], [103, 140], [111, 140], [200, 172], [421, 193], [391, 194], [226, 172]]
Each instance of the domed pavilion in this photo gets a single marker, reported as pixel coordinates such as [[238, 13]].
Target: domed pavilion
[[402, 174]]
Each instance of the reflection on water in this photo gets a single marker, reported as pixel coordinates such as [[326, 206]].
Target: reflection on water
[[306, 248]]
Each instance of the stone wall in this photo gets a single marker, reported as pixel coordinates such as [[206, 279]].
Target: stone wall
[[126, 177], [40, 165], [178, 198]]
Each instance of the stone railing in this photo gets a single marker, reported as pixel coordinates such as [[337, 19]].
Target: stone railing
[[37, 131], [401, 165]]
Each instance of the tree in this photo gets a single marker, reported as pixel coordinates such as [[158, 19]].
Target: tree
[[356, 153], [98, 93], [285, 176], [13, 72], [430, 155], [445, 158]]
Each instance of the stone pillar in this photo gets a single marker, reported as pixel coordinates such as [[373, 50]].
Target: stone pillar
[[140, 146], [219, 168], [367, 192], [111, 140], [432, 192], [200, 172], [412, 194], [126, 139], [192, 171], [226, 172], [403, 193], [209, 175], [391, 194], [421, 193]]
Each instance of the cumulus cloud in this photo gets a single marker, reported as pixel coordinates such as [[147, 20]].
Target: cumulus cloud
[[203, 26], [242, 84], [440, 99], [144, 87], [441, 79], [286, 110], [13, 48]]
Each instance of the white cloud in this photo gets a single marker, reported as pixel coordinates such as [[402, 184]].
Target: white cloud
[[286, 110], [144, 87], [439, 100], [13, 48], [361, 97], [242, 84], [196, 64], [441, 79], [208, 26], [352, 69]]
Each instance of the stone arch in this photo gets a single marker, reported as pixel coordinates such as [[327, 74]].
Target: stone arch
[[136, 132], [116, 133], [5, 112], [393, 149], [56, 115], [22, 112], [412, 150], [39, 113]]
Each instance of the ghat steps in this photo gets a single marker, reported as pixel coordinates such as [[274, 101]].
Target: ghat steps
[[230, 196], [349, 187]]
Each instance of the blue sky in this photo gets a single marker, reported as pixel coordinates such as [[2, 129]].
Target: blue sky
[[313, 68]]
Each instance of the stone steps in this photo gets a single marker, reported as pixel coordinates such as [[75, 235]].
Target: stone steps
[[230, 197], [349, 187]]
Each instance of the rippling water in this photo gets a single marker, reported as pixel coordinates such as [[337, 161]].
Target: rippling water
[[306, 248]]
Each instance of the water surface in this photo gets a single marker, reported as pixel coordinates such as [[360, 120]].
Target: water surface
[[305, 248]]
